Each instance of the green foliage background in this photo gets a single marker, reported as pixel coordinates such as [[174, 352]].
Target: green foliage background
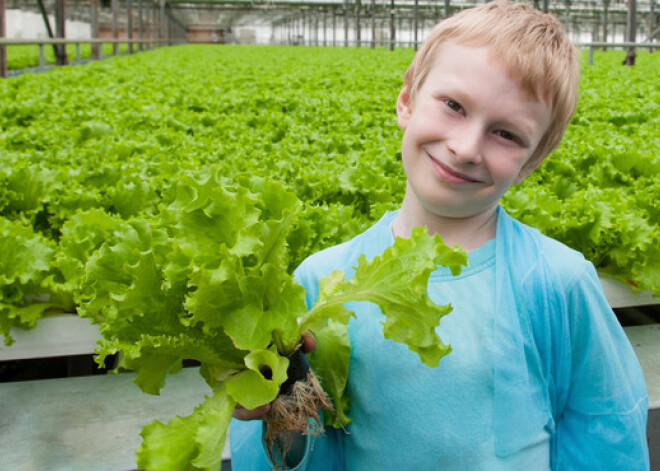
[[83, 148]]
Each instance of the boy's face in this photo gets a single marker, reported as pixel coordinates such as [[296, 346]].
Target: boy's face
[[468, 134]]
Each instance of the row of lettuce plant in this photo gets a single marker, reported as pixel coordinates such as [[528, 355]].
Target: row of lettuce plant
[[112, 137]]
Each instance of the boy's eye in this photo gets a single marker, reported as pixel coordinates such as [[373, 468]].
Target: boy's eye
[[455, 106], [506, 135]]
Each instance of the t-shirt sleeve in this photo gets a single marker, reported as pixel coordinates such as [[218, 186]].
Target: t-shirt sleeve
[[603, 423]]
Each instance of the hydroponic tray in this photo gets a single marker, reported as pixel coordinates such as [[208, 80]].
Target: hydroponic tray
[[55, 336], [68, 334], [87, 423]]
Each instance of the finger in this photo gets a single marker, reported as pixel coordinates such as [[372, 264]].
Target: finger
[[241, 413], [308, 343]]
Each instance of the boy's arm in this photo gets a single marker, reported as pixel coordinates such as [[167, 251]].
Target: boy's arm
[[603, 423]]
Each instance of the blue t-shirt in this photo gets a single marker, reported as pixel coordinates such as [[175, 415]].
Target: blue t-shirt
[[442, 416], [541, 376]]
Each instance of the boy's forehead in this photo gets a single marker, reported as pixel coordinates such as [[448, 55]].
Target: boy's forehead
[[493, 55]]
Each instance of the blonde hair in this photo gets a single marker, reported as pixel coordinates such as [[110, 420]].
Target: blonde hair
[[533, 48]]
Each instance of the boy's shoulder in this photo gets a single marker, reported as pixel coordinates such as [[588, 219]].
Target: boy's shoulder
[[566, 264]]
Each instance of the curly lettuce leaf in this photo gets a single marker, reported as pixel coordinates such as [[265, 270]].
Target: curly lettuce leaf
[[250, 387], [330, 362], [25, 263], [190, 443], [397, 282], [208, 279]]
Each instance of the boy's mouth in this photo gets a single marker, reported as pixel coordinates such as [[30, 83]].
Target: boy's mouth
[[449, 174]]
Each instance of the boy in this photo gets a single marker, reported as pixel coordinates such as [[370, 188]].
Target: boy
[[541, 375]]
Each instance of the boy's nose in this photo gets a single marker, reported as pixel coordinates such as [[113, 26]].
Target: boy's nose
[[466, 145]]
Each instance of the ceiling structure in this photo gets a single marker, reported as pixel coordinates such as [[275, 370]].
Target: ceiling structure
[[584, 15]]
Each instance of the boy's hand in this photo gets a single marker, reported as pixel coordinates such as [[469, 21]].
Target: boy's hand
[[241, 413]]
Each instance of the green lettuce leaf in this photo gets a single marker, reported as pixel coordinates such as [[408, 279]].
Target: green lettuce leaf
[[208, 279], [25, 264], [397, 282], [190, 443]]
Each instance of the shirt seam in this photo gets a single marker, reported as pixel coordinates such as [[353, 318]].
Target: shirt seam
[[437, 277]]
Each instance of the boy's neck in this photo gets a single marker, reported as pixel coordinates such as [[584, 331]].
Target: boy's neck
[[469, 233]]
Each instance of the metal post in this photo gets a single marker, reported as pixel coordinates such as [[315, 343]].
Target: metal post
[[416, 22], [606, 6], [60, 31], [168, 29], [162, 23], [447, 12], [140, 26], [392, 25], [632, 31], [158, 23], [154, 24], [358, 18], [325, 29], [44, 15], [94, 7], [150, 20], [345, 26], [3, 34], [115, 26], [129, 25], [373, 24], [334, 27], [652, 25], [567, 16]]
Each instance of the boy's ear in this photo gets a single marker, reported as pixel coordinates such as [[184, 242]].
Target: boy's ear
[[403, 109]]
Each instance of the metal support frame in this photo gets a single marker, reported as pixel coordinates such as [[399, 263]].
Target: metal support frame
[[115, 26], [416, 23], [60, 32], [49, 30], [140, 25], [3, 35], [373, 24], [129, 24], [94, 13], [392, 25], [631, 26]]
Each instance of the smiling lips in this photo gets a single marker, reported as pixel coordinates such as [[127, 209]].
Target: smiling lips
[[450, 175]]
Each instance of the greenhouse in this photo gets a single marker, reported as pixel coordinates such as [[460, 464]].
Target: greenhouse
[[176, 175]]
